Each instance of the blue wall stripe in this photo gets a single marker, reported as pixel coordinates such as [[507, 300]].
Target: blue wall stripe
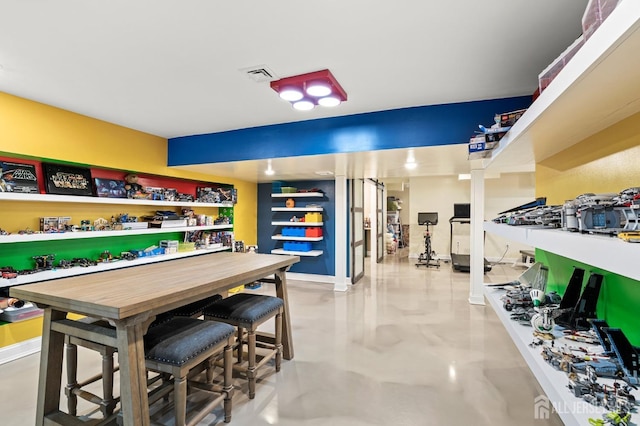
[[432, 125]]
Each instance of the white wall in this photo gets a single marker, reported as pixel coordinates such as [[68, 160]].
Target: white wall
[[439, 194]]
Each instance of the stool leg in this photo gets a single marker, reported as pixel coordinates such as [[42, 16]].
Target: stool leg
[[71, 354], [180, 400], [108, 403], [278, 342], [251, 369], [240, 344], [228, 386]]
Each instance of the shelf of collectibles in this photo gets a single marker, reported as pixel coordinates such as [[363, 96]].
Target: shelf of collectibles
[[298, 233]]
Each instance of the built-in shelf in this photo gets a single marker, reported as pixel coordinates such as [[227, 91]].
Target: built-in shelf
[[285, 238], [100, 267], [297, 209], [601, 251], [52, 198], [597, 88], [298, 194], [572, 410], [18, 238], [312, 253], [286, 223]]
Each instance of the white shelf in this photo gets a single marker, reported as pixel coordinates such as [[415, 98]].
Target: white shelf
[[285, 238], [596, 89], [100, 267], [312, 253], [572, 410], [298, 195], [297, 209], [287, 223], [52, 198], [17, 238], [605, 252]]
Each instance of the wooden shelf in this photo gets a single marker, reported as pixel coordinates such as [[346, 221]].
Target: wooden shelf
[[605, 252], [596, 89], [100, 267], [17, 238], [51, 198], [312, 253], [297, 209], [298, 195], [285, 238], [283, 223]]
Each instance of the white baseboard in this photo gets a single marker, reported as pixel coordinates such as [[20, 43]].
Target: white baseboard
[[329, 279], [19, 350]]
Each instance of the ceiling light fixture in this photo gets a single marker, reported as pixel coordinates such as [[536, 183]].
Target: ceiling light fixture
[[410, 165], [305, 91], [269, 171]]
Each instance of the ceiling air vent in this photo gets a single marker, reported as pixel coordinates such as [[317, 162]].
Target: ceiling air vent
[[259, 73]]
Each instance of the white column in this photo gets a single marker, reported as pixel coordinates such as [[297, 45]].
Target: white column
[[341, 239], [476, 276]]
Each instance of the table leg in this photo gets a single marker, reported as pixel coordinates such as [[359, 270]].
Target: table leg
[[281, 292], [51, 357], [133, 378]]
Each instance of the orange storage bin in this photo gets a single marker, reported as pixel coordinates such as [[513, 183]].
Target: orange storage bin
[[313, 232]]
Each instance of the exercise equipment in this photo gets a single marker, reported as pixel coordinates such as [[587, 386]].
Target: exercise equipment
[[462, 262], [428, 257]]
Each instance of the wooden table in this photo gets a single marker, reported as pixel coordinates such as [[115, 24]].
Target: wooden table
[[130, 298]]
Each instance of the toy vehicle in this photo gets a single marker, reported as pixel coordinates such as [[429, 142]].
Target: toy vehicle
[[629, 236]]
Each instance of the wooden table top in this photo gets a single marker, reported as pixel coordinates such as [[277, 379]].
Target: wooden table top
[[154, 288]]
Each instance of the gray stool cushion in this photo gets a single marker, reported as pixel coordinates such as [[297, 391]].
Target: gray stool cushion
[[244, 308], [191, 310], [180, 339]]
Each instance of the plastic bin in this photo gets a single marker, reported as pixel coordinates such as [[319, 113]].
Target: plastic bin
[[313, 217], [313, 232]]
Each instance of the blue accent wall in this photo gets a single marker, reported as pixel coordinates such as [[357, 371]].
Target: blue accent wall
[[321, 265], [400, 128]]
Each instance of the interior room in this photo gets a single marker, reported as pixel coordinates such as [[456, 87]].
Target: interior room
[[287, 214]]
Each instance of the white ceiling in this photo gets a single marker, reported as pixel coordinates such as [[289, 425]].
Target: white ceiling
[[172, 68]]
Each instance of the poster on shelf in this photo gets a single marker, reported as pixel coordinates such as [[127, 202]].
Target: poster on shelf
[[18, 177], [67, 180], [110, 188]]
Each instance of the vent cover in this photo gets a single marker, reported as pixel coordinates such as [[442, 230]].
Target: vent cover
[[259, 73]]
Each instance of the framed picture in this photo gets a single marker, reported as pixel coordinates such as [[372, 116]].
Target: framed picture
[[67, 180], [110, 188], [18, 177]]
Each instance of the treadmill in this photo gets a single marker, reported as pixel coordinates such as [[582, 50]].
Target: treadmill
[[462, 262]]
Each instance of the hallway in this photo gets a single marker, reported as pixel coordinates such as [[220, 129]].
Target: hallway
[[403, 347]]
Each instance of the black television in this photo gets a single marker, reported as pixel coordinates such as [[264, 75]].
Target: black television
[[462, 211], [430, 218]]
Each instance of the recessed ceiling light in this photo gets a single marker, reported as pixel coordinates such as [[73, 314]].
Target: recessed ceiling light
[[303, 105], [324, 173], [410, 165]]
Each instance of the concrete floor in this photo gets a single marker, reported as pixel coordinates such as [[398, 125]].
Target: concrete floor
[[403, 347]]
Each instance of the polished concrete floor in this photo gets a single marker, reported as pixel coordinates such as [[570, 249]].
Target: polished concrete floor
[[403, 347]]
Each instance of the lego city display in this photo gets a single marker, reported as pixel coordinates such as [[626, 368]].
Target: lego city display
[[67, 180], [18, 177]]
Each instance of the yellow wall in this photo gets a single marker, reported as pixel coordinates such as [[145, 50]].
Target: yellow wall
[[608, 161], [33, 130]]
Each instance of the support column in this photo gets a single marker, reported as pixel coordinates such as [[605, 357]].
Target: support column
[[476, 276], [341, 234]]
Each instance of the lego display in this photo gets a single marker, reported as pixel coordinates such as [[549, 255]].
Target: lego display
[[67, 180], [110, 188], [18, 177]]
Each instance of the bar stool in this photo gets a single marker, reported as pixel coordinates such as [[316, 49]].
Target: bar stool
[[246, 312], [107, 402], [183, 347]]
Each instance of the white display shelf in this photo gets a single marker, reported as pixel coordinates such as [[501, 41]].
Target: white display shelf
[[605, 252], [312, 253], [597, 88], [100, 267], [298, 195], [17, 238], [297, 209], [572, 410], [285, 238], [287, 223], [52, 198]]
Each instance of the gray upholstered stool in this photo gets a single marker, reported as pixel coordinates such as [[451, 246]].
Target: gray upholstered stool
[[184, 346], [247, 311], [192, 310]]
